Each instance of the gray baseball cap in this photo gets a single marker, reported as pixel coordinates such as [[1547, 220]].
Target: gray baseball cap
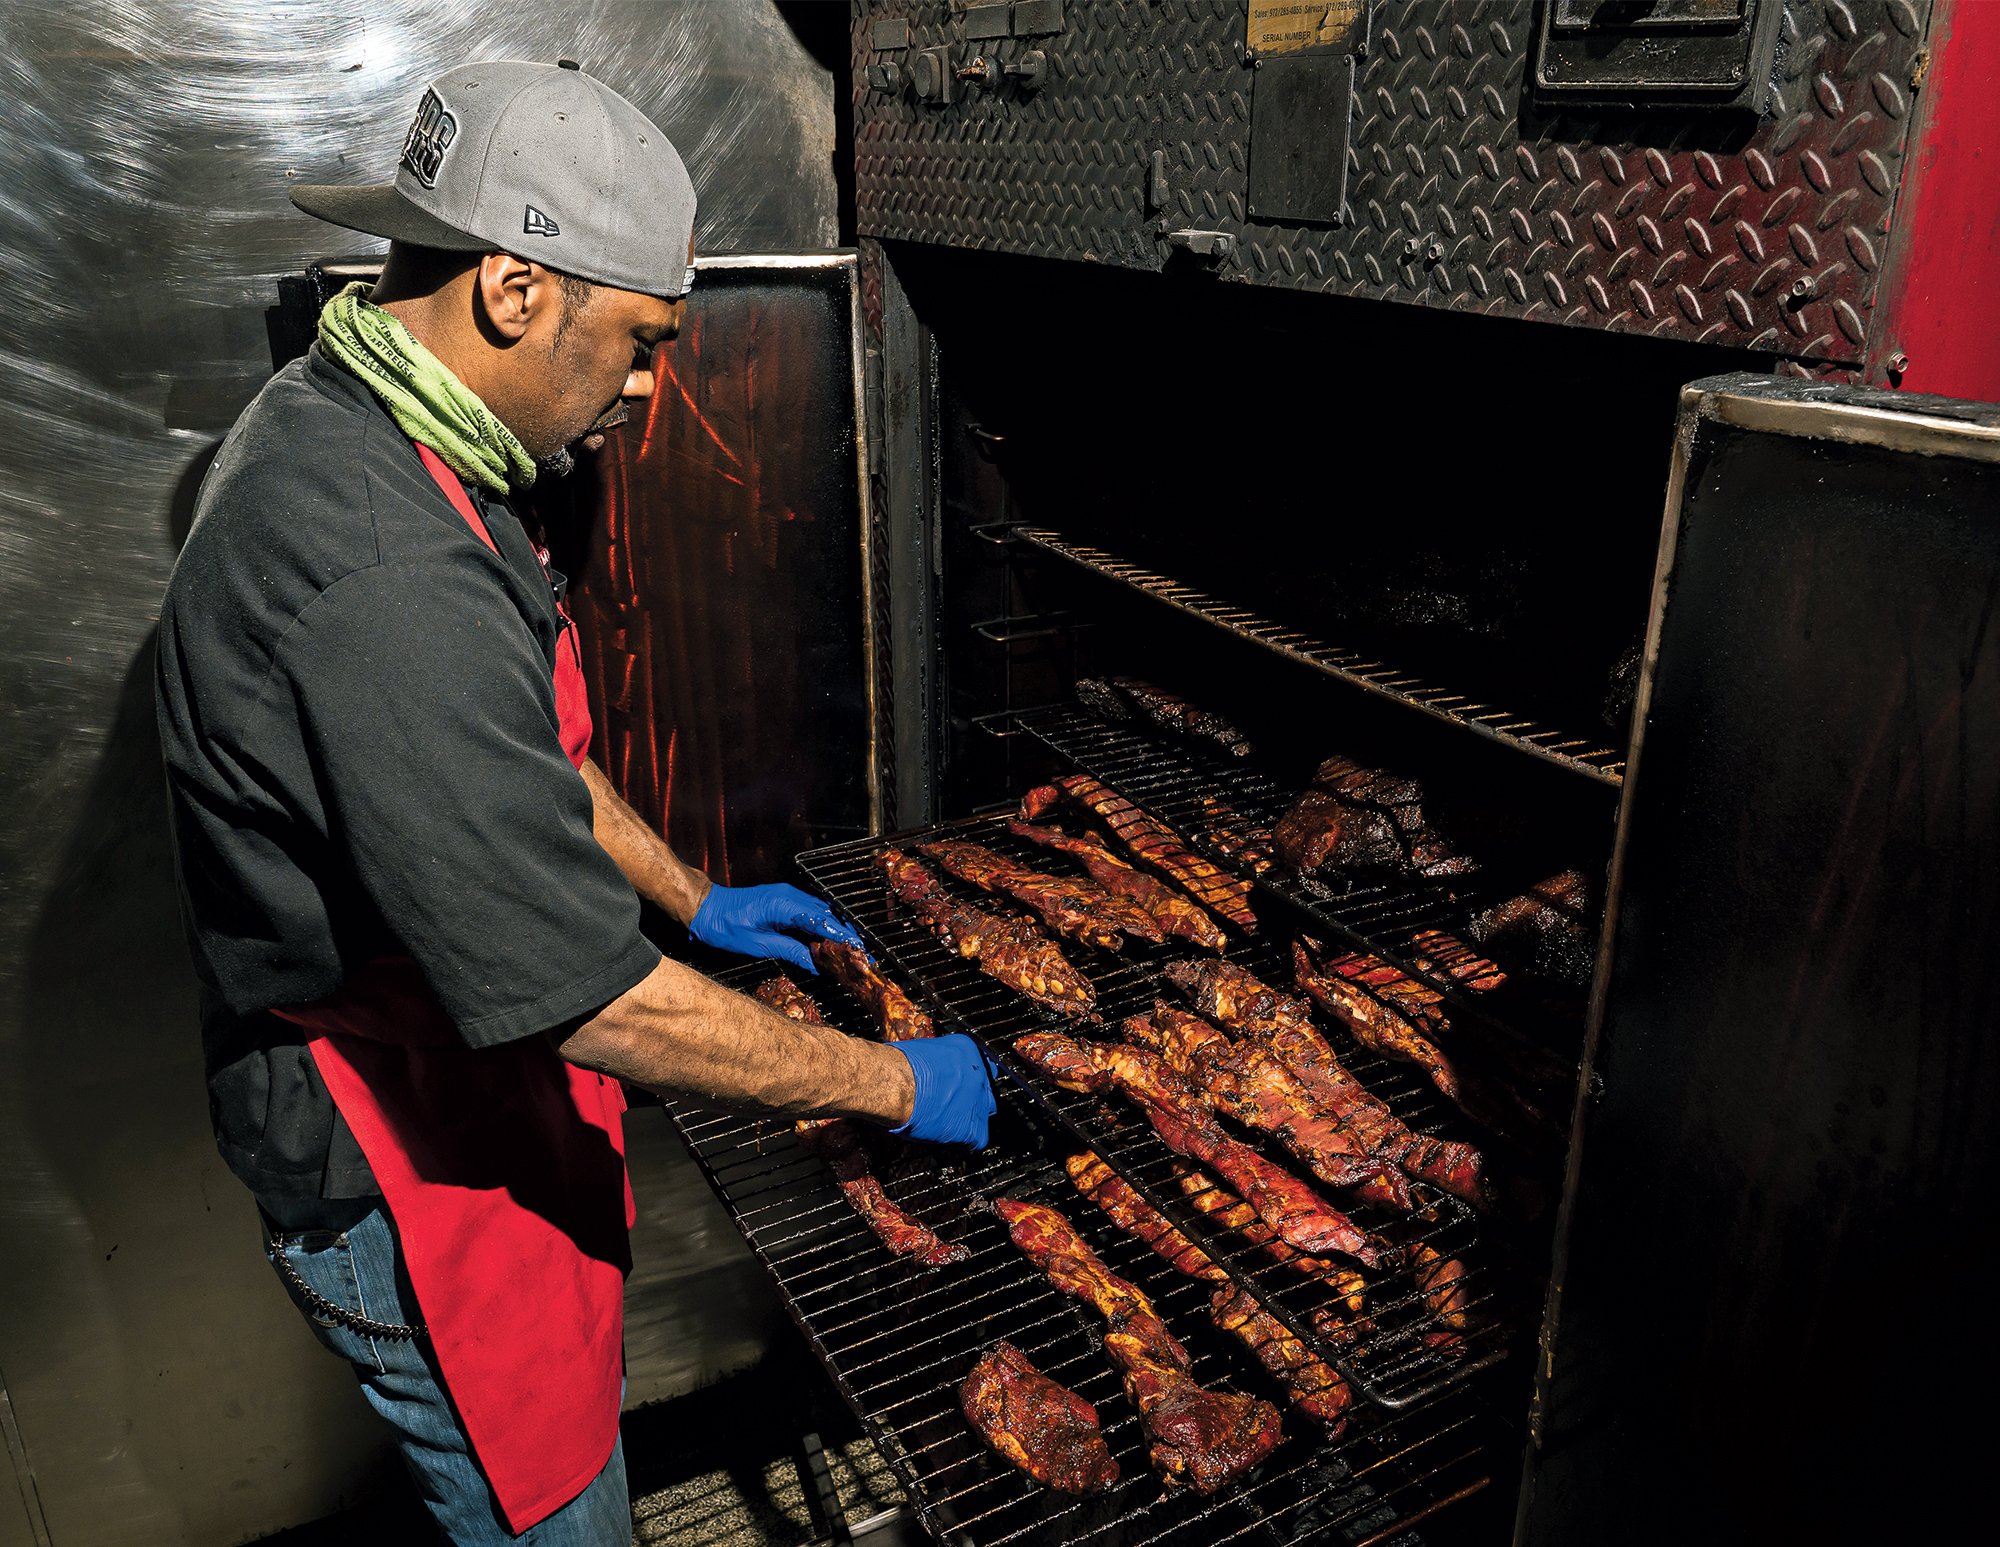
[[537, 160]]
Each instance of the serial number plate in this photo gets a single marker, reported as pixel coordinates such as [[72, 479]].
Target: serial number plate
[[1294, 26]]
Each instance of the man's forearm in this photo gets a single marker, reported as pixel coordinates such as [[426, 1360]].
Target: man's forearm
[[655, 871], [677, 1031]]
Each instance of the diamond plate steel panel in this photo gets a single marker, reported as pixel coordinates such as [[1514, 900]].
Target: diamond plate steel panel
[[1463, 192]]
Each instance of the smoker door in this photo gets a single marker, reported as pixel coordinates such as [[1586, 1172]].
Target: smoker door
[[1775, 1255], [716, 550]]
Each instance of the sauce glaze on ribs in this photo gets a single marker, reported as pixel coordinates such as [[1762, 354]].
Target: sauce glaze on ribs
[[837, 1143], [1252, 1085], [1151, 841], [1009, 950], [1080, 909], [1175, 914], [1375, 1024], [1044, 1428], [1239, 1000], [1201, 1437], [894, 1012], [1288, 1205], [1314, 1387]]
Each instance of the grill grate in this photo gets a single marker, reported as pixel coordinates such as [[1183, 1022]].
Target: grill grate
[[1579, 755], [898, 1340], [1398, 1368]]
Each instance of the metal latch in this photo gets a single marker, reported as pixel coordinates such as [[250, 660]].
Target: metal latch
[[1718, 52], [1215, 247]]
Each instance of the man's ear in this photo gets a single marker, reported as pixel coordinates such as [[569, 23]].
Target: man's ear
[[511, 293]]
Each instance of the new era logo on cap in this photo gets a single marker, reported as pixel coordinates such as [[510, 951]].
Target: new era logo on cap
[[535, 223], [431, 134]]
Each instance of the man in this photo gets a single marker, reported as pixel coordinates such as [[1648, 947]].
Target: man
[[412, 901]]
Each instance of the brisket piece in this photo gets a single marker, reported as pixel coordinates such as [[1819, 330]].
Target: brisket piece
[[1045, 1429], [1356, 818], [1200, 1437], [837, 1143], [1551, 926], [1007, 949], [1152, 842], [1175, 914], [1080, 909]]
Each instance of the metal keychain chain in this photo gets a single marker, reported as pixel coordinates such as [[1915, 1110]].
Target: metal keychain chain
[[318, 1304]]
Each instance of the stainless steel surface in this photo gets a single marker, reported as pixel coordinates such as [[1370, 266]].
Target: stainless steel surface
[[1463, 191], [164, 1392]]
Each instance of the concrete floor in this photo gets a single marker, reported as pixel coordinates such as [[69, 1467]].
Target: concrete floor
[[718, 1466]]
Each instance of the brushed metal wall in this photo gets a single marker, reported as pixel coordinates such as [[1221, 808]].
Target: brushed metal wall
[[154, 1386]]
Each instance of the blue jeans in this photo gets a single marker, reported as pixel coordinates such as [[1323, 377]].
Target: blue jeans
[[357, 1265]]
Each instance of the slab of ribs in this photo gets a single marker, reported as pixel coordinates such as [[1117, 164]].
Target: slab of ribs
[[1247, 1082], [1362, 819], [1009, 950], [1176, 914], [837, 1142], [1236, 838], [894, 1011], [1312, 1385], [1080, 909], [1044, 1428], [1152, 842], [1375, 1024], [1240, 1001], [1177, 1114], [1118, 697], [1196, 1436]]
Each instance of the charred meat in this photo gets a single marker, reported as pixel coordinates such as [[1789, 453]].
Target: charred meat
[[1444, 955], [1200, 1437], [1007, 949], [1152, 842], [1079, 909], [1118, 697], [1552, 926], [836, 1142], [1236, 838], [894, 1012], [1045, 1429], [1356, 818], [1175, 914], [1418, 1003]]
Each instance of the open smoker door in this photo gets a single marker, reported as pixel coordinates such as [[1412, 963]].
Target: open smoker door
[[717, 554], [1767, 1317]]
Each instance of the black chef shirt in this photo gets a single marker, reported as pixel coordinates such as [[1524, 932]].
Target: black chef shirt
[[357, 709]]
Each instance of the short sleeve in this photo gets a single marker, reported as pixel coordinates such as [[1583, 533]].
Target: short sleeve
[[429, 716]]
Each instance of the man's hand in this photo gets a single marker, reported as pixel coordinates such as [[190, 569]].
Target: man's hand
[[749, 919], [954, 1095]]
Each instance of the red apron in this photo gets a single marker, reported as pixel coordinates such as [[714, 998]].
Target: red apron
[[504, 1171]]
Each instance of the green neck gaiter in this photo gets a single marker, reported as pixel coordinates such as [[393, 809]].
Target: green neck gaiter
[[428, 403]]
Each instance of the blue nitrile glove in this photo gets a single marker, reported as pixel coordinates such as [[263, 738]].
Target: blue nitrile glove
[[748, 921], [954, 1095]]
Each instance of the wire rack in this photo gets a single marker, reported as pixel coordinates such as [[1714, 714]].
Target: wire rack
[[1583, 755], [898, 1340], [1401, 1363]]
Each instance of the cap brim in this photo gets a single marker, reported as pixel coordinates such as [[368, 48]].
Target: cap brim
[[383, 211]]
